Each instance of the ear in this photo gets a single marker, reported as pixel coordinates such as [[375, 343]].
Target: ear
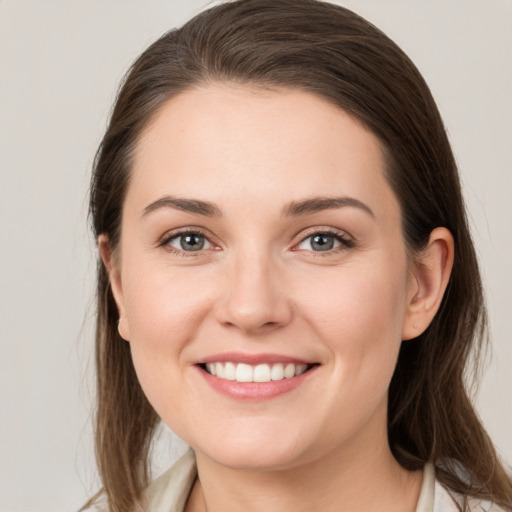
[[112, 265], [430, 276]]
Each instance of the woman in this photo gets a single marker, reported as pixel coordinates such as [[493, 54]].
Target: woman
[[286, 277]]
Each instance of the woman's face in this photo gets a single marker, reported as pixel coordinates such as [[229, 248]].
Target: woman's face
[[260, 239]]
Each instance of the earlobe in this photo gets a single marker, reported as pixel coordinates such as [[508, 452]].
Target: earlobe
[[114, 275], [431, 275]]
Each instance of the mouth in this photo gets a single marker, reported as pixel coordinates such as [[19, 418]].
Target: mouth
[[261, 373], [255, 377]]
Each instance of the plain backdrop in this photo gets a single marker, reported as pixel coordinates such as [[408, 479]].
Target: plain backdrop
[[60, 65]]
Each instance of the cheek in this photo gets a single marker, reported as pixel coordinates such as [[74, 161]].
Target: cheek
[[165, 305], [358, 312], [357, 315], [357, 299], [165, 308]]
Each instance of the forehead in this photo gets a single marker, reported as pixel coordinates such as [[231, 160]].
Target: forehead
[[222, 142]]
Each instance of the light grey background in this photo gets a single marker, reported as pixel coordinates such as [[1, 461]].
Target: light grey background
[[60, 64]]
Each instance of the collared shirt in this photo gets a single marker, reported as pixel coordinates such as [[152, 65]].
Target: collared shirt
[[170, 491]]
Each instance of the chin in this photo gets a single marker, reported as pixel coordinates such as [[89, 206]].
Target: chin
[[260, 452]]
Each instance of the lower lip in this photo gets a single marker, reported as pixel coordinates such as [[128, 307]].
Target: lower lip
[[254, 390]]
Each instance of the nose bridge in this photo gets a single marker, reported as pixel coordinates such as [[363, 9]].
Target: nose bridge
[[254, 298]]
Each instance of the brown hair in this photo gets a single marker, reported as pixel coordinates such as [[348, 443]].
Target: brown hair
[[335, 54]]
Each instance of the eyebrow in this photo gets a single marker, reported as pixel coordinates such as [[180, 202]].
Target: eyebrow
[[318, 204], [187, 205], [292, 209]]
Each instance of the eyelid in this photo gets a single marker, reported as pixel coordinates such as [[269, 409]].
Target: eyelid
[[180, 231], [175, 233], [347, 241]]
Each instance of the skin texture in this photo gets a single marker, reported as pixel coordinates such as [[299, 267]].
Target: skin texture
[[258, 286]]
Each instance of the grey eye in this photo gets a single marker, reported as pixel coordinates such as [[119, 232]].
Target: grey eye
[[320, 242], [189, 242]]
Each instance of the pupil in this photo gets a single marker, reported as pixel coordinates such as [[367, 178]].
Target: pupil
[[322, 242], [192, 242]]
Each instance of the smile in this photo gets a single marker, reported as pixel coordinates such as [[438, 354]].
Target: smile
[[242, 372], [250, 377]]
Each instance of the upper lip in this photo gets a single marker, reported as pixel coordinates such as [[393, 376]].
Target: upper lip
[[252, 359]]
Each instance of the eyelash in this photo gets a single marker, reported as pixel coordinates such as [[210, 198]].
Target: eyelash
[[169, 237], [345, 242]]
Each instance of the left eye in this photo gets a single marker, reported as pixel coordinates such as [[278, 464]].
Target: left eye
[[189, 242], [320, 242]]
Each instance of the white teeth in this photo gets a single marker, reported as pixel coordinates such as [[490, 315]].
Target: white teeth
[[262, 373], [289, 370], [242, 372], [300, 369], [230, 371], [277, 372]]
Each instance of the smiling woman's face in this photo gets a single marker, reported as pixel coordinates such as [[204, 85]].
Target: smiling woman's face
[[260, 240]]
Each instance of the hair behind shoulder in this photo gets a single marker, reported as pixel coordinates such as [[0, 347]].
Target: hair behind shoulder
[[331, 52]]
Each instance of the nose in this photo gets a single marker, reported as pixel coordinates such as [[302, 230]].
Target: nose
[[254, 300]]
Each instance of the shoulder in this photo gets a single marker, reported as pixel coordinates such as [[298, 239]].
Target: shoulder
[[449, 501], [435, 497], [169, 492]]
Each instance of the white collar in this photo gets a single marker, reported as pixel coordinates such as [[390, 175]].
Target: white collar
[[170, 491]]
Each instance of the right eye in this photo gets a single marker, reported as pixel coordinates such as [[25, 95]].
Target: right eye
[[188, 241]]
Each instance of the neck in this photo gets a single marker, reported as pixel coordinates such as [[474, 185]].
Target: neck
[[347, 479]]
